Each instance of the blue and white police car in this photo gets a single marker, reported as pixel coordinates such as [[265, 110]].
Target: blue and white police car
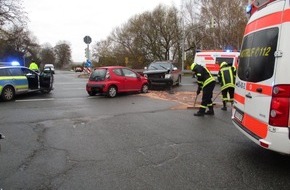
[[16, 80]]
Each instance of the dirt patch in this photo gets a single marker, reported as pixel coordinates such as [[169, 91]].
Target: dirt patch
[[185, 99]]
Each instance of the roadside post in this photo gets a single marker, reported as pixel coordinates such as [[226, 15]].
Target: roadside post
[[88, 63]]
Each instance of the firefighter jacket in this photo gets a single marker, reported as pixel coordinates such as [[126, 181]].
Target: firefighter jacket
[[226, 77], [203, 76]]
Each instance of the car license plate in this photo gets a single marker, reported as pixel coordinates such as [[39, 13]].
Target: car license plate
[[238, 116]]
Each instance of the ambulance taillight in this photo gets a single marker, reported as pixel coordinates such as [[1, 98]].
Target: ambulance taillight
[[279, 110]]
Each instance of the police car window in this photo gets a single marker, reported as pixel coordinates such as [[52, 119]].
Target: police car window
[[15, 72], [4, 72], [26, 71], [257, 58]]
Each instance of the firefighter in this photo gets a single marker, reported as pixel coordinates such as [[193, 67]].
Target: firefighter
[[226, 77], [206, 83]]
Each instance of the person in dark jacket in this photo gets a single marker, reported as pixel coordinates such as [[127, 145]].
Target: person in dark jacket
[[206, 84], [226, 77]]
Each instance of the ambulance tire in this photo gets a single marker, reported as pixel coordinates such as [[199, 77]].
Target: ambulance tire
[[8, 93]]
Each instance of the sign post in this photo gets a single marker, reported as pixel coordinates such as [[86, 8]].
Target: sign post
[[87, 40], [88, 64]]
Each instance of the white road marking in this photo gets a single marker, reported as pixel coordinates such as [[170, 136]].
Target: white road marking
[[35, 100]]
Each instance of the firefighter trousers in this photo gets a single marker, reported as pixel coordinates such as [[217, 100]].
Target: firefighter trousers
[[230, 91], [207, 92]]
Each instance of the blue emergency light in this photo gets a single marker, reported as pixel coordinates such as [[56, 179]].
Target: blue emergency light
[[248, 9], [15, 63]]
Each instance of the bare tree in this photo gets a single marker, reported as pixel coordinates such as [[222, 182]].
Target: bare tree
[[147, 37], [161, 34], [63, 54], [20, 44], [230, 19], [11, 13], [47, 54]]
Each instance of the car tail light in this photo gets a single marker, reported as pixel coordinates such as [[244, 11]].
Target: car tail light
[[279, 110]]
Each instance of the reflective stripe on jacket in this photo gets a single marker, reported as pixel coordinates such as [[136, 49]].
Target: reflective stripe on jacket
[[226, 77], [203, 75]]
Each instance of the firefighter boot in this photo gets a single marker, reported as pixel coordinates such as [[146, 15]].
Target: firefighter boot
[[210, 111], [225, 106], [200, 112]]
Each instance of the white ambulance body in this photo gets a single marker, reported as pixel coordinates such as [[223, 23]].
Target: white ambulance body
[[262, 92], [211, 59]]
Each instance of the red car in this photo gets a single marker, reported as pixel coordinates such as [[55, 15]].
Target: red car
[[111, 80]]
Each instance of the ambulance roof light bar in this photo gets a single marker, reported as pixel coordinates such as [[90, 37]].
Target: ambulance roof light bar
[[256, 5]]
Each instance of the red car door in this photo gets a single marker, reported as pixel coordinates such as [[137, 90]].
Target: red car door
[[132, 81]]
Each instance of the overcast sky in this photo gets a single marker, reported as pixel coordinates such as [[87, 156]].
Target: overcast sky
[[52, 21]]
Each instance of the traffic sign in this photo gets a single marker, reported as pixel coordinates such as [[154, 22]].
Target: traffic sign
[[87, 39], [88, 63]]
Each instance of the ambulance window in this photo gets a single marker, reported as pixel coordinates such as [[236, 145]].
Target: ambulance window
[[229, 61], [257, 58]]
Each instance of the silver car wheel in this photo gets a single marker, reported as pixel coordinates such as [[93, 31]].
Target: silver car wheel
[[112, 92], [8, 93], [145, 88]]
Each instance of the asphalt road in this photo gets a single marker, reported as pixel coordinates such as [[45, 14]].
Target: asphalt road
[[68, 140]]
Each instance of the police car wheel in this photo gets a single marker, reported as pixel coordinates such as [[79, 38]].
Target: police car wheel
[[8, 93]]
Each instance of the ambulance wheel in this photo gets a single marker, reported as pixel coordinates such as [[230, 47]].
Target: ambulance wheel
[[8, 93]]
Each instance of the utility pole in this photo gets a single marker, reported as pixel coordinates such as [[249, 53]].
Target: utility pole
[[183, 35]]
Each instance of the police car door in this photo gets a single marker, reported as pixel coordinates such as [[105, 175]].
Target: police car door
[[19, 81], [255, 74], [32, 77]]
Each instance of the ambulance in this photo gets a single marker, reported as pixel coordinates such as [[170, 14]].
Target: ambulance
[[211, 59], [262, 89]]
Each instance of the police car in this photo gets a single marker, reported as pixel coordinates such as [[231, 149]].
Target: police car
[[16, 80]]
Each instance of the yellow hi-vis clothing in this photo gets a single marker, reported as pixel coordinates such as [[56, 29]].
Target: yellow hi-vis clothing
[[203, 75], [206, 83], [226, 77], [33, 66]]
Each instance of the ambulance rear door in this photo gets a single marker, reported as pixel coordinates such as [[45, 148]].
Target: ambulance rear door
[[256, 72]]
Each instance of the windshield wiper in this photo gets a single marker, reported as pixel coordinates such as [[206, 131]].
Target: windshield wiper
[[154, 67], [163, 67]]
